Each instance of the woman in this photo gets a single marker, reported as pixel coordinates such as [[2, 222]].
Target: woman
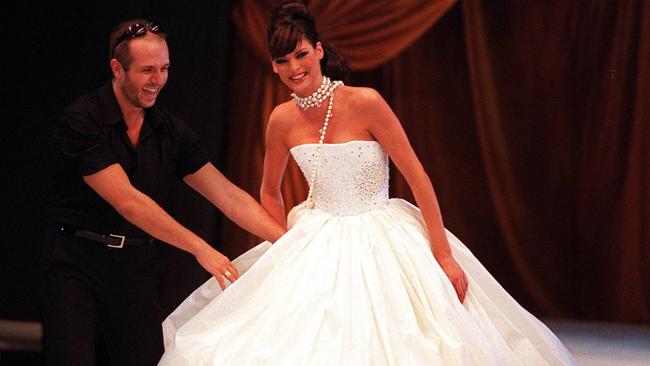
[[359, 279]]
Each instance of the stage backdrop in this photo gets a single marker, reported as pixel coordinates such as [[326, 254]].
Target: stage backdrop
[[530, 117]]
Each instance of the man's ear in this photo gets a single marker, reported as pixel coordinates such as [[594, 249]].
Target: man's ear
[[116, 68]]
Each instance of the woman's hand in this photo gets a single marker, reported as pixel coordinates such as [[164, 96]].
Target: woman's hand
[[455, 274], [217, 264]]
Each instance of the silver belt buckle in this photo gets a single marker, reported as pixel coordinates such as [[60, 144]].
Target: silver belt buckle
[[120, 245]]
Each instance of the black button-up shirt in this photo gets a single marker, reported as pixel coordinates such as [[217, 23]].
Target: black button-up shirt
[[92, 135]]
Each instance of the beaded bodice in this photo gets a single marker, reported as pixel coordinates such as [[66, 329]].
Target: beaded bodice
[[352, 177]]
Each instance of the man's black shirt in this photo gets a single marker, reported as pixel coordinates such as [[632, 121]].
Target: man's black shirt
[[92, 135]]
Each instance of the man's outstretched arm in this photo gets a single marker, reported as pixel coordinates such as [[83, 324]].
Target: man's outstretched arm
[[234, 202], [113, 185]]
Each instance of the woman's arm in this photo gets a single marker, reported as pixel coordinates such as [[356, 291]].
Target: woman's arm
[[387, 129], [275, 163]]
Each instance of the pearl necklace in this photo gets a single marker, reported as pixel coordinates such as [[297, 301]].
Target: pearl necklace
[[328, 115], [318, 97]]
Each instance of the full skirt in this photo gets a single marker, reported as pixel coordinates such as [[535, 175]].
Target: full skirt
[[356, 290]]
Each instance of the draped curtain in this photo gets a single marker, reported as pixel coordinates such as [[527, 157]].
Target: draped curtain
[[561, 105], [530, 117]]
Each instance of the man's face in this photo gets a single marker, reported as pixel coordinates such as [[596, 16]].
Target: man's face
[[148, 70]]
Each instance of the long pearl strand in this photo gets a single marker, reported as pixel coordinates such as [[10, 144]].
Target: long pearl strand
[[328, 115]]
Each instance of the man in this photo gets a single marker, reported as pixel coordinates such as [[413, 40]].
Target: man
[[118, 154]]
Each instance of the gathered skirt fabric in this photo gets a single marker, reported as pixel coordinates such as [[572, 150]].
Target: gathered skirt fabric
[[359, 289]]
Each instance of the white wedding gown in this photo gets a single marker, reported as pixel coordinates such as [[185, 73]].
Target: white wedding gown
[[353, 282]]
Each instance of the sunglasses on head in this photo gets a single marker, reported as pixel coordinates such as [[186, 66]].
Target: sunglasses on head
[[136, 30]]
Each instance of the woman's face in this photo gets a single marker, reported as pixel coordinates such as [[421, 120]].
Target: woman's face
[[300, 69]]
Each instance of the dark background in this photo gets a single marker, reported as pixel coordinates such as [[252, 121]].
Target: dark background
[[567, 79], [53, 53]]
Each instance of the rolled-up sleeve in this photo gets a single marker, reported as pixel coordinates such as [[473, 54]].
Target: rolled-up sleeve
[[191, 155]]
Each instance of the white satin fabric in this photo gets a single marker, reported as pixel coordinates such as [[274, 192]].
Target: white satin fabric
[[353, 282]]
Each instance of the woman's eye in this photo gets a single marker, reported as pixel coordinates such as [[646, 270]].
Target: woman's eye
[[302, 54], [280, 61]]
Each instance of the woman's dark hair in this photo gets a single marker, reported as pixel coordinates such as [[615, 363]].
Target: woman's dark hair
[[290, 21]]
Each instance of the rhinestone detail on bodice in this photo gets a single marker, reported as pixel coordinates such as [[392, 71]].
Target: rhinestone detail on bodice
[[352, 177]]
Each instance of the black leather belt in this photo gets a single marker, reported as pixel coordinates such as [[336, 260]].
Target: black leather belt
[[110, 240]]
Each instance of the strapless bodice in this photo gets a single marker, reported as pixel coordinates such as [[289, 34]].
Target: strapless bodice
[[352, 176]]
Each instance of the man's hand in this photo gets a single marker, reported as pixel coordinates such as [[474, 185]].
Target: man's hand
[[217, 264]]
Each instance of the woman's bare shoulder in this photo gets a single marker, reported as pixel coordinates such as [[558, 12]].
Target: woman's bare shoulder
[[362, 101], [360, 96], [282, 115]]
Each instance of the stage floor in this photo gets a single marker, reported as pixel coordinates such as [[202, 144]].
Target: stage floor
[[604, 344], [592, 343]]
